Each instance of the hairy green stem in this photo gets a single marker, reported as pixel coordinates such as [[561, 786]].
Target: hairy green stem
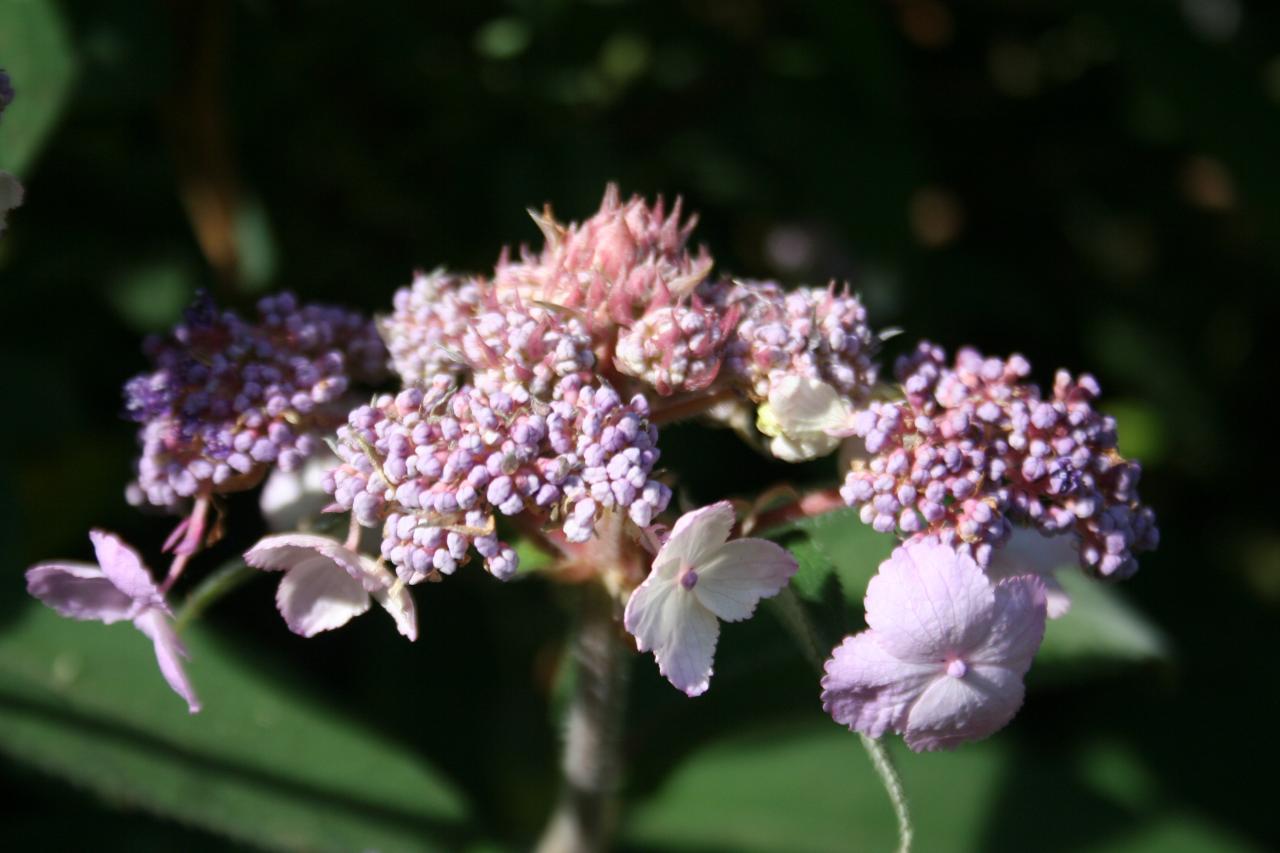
[[209, 590], [586, 815], [791, 610], [893, 785]]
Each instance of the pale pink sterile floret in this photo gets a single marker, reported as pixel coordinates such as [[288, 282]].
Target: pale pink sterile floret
[[118, 588], [804, 418], [1030, 552], [943, 659], [698, 578], [326, 584]]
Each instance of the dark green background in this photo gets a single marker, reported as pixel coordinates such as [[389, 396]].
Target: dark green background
[[1094, 185]]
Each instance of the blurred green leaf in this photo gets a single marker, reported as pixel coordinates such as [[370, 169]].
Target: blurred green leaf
[[503, 38], [809, 789], [256, 245], [150, 296], [1100, 627], [531, 556], [261, 763], [823, 618], [38, 57], [852, 549]]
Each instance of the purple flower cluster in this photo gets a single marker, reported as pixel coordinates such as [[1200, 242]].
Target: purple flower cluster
[[6, 91], [820, 333], [615, 266], [435, 466], [449, 326], [974, 447], [227, 398], [676, 348]]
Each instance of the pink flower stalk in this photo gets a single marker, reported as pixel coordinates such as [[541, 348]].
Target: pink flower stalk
[[699, 577], [117, 588], [326, 584], [943, 659]]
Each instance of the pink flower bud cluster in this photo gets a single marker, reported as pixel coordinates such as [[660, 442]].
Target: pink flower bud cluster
[[615, 266], [435, 467], [228, 399], [461, 327], [677, 348], [814, 332], [974, 447]]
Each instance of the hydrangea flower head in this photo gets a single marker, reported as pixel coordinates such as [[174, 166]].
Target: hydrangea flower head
[[974, 448], [819, 333], [326, 584], [445, 325], [116, 589], [944, 655], [436, 467], [700, 577], [229, 399]]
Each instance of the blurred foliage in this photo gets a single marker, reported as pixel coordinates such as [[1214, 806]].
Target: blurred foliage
[[1090, 183], [262, 763]]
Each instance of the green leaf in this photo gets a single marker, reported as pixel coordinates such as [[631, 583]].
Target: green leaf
[[852, 548], [813, 609], [38, 57], [262, 763], [1100, 630], [807, 789], [532, 557], [837, 555]]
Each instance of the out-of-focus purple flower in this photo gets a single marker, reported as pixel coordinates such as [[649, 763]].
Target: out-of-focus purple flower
[[325, 584], [292, 498], [818, 333], [943, 658], [974, 448], [229, 399], [698, 578], [626, 259], [117, 588], [435, 467], [6, 91]]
